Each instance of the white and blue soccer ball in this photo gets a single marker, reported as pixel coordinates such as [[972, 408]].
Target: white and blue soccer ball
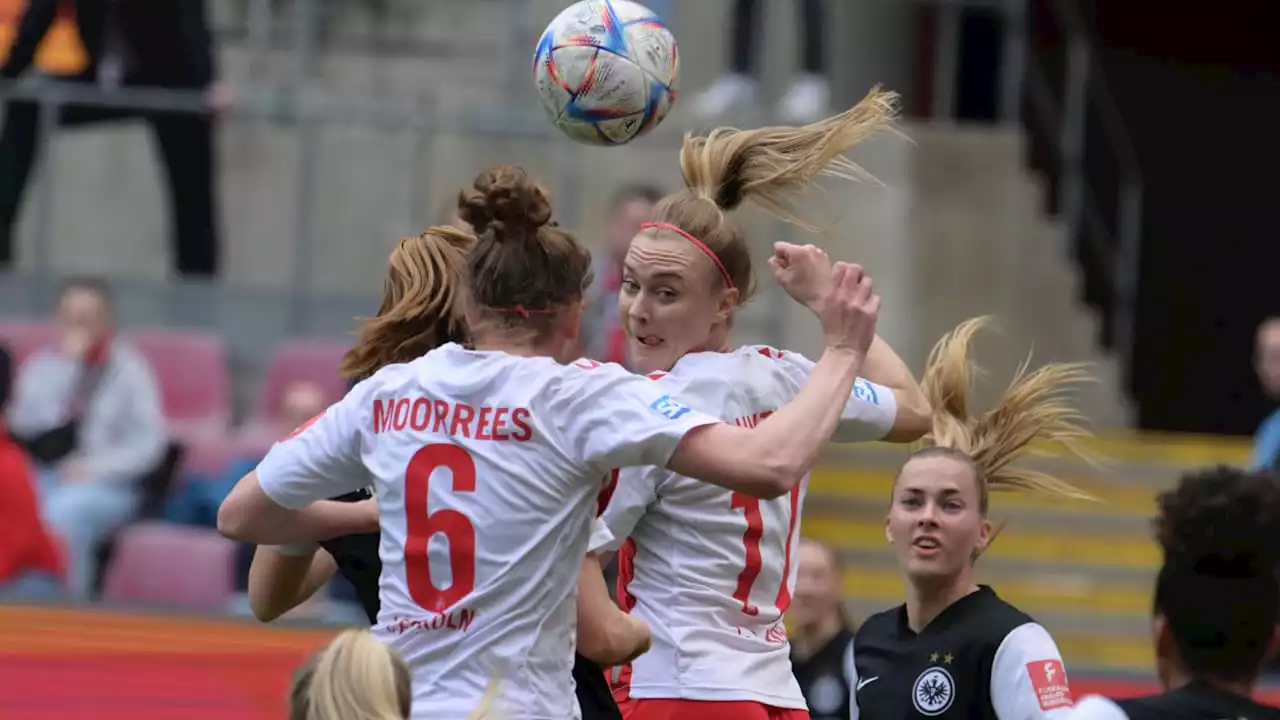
[[606, 71]]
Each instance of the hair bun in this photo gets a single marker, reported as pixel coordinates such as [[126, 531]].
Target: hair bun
[[505, 205]]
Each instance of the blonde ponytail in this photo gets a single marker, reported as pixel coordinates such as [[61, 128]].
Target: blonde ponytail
[[355, 677], [1033, 408], [768, 167]]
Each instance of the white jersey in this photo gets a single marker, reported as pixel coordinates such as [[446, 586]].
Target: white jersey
[[710, 570], [487, 468]]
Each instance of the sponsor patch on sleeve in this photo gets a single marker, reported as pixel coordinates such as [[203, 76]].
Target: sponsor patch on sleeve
[[668, 408], [1049, 681], [865, 392]]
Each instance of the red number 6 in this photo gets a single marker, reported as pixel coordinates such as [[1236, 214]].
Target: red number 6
[[422, 524]]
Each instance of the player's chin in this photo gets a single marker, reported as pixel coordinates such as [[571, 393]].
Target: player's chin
[[927, 567], [651, 356]]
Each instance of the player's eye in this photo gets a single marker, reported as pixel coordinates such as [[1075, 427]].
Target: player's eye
[[630, 286], [666, 293]]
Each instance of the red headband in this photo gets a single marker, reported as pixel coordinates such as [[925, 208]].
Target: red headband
[[523, 311], [696, 243]]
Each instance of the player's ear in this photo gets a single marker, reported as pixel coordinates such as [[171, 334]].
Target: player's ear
[[888, 530], [727, 303]]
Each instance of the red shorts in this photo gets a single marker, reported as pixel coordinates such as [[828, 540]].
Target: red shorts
[[664, 709]]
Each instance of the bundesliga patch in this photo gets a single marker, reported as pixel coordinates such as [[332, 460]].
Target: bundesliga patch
[[668, 408], [865, 392], [1049, 681]]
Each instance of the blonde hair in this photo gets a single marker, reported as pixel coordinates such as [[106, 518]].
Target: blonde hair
[[354, 677], [1033, 408], [421, 305], [767, 166]]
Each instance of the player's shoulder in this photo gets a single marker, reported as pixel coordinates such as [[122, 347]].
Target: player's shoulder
[[998, 618], [879, 628]]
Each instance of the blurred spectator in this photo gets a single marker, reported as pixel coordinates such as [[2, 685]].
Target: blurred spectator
[[158, 44], [198, 500], [603, 334], [1266, 442], [807, 99], [89, 412], [30, 561], [822, 634]]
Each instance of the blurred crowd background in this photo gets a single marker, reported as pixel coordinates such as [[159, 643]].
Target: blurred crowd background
[[197, 198]]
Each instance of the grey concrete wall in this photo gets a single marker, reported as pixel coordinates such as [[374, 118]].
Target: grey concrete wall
[[953, 232]]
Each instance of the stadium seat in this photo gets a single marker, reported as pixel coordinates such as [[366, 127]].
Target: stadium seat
[[314, 361], [156, 563], [195, 379], [26, 337], [209, 456]]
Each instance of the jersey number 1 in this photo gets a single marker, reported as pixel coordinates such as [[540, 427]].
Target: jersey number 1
[[750, 508], [422, 524]]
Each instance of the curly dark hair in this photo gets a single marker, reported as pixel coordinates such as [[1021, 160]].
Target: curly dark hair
[[1219, 530]]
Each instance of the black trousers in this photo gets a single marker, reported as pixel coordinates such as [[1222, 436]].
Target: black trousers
[[185, 142], [746, 35]]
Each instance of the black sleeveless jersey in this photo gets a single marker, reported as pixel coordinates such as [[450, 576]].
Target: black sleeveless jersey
[[357, 559], [824, 677], [1196, 701], [979, 659]]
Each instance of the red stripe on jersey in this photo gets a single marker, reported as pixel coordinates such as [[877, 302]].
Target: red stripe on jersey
[[621, 688], [784, 593], [602, 500], [770, 352], [626, 572], [656, 375]]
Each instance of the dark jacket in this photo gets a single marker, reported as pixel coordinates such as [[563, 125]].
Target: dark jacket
[[168, 40]]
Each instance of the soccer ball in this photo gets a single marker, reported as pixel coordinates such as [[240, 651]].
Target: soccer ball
[[606, 71]]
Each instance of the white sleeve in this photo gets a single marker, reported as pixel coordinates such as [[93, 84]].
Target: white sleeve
[[606, 417], [868, 415], [1028, 679], [601, 538], [321, 459], [635, 490], [851, 672], [1096, 707]]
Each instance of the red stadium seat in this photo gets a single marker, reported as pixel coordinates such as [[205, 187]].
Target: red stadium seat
[[160, 564], [314, 361], [24, 338], [209, 456], [195, 379]]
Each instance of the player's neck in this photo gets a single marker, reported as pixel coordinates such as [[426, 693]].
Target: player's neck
[[813, 637], [717, 341], [1177, 677], [926, 601], [524, 347]]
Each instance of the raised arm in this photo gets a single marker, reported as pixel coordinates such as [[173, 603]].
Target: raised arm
[[914, 415], [276, 503], [770, 459], [283, 577]]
